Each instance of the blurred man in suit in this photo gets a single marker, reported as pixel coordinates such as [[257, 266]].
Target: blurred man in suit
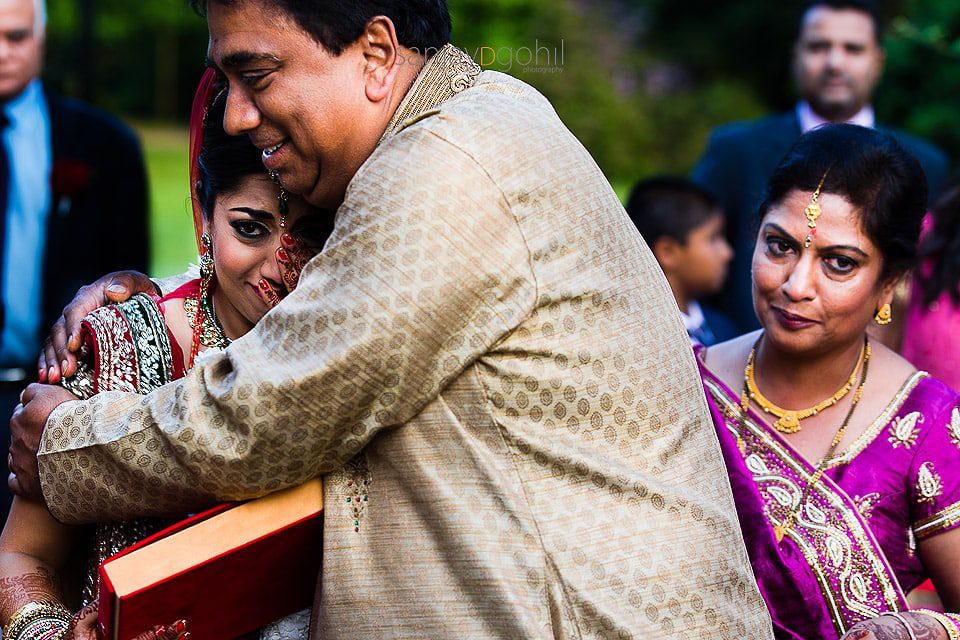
[[70, 177], [837, 62]]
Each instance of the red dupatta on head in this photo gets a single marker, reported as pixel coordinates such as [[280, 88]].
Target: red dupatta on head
[[206, 92]]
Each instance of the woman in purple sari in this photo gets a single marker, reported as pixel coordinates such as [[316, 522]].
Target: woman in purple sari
[[844, 459]]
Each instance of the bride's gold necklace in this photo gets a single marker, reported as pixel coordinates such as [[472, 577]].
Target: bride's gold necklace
[[788, 421], [206, 328]]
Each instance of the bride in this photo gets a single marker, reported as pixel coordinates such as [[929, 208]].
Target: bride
[[139, 345]]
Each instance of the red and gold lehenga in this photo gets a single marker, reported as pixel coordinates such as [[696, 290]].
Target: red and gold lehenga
[[127, 347]]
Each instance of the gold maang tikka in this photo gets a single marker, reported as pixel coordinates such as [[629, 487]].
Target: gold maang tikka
[[814, 211], [281, 199]]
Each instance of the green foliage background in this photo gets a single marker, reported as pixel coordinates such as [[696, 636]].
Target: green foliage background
[[640, 82]]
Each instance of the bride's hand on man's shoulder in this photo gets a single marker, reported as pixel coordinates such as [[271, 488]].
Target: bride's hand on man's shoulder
[[58, 358], [292, 257]]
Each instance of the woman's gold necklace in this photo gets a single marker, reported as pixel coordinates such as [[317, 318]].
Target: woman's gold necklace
[[780, 530], [788, 421], [209, 333]]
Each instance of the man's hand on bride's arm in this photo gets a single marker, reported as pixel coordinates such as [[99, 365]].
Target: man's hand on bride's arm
[[58, 358], [26, 426]]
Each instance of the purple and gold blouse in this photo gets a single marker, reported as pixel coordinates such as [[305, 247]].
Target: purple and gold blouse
[[851, 553]]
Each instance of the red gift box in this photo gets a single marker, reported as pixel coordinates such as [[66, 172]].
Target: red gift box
[[227, 571]]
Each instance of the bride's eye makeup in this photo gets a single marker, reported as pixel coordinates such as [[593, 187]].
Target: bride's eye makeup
[[252, 224], [250, 229]]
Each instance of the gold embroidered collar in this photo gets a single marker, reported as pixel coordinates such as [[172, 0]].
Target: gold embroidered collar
[[446, 74]]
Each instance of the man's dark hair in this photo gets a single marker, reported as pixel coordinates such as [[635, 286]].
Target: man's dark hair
[[668, 206], [864, 6], [870, 170], [422, 25]]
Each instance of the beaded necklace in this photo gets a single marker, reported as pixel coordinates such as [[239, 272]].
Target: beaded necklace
[[206, 328], [781, 529], [788, 421]]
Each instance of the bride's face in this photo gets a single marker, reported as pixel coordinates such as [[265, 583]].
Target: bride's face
[[245, 232]]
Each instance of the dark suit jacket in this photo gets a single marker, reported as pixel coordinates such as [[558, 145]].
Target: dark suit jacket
[[99, 224], [721, 326], [98, 218], [739, 160]]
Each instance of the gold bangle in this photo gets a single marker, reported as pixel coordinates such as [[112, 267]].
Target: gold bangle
[[953, 631], [33, 613]]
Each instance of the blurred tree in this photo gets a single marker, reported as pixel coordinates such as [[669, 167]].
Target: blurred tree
[[640, 82], [921, 88], [636, 111], [141, 58]]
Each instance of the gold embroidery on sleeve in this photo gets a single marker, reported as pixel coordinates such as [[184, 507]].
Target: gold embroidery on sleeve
[[929, 484], [904, 431], [866, 504], [940, 521], [954, 426]]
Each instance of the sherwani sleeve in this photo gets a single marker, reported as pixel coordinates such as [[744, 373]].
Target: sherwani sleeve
[[426, 270]]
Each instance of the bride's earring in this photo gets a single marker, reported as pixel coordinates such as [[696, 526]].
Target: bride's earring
[[282, 199], [200, 319], [206, 266], [284, 208]]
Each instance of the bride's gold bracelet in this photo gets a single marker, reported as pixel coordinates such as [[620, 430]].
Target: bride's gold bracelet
[[40, 619], [953, 631]]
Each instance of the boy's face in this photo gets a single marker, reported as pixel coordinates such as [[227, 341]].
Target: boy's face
[[703, 259]]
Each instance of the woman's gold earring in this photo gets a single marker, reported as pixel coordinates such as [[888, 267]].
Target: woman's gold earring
[[884, 316], [206, 267]]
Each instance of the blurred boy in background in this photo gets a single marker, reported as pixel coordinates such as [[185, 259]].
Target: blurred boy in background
[[684, 227]]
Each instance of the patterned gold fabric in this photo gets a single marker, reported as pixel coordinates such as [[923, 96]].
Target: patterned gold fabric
[[489, 365]]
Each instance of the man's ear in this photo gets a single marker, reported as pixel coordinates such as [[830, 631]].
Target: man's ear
[[668, 252], [382, 57]]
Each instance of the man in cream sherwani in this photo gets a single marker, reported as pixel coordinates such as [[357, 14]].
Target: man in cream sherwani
[[485, 362]]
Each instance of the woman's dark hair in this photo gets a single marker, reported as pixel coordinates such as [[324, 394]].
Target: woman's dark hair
[[422, 25], [872, 172], [941, 248], [224, 160]]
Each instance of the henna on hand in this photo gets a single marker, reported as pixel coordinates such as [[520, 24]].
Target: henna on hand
[[175, 631], [925, 627], [292, 257], [889, 628], [268, 294], [16, 591], [83, 624]]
